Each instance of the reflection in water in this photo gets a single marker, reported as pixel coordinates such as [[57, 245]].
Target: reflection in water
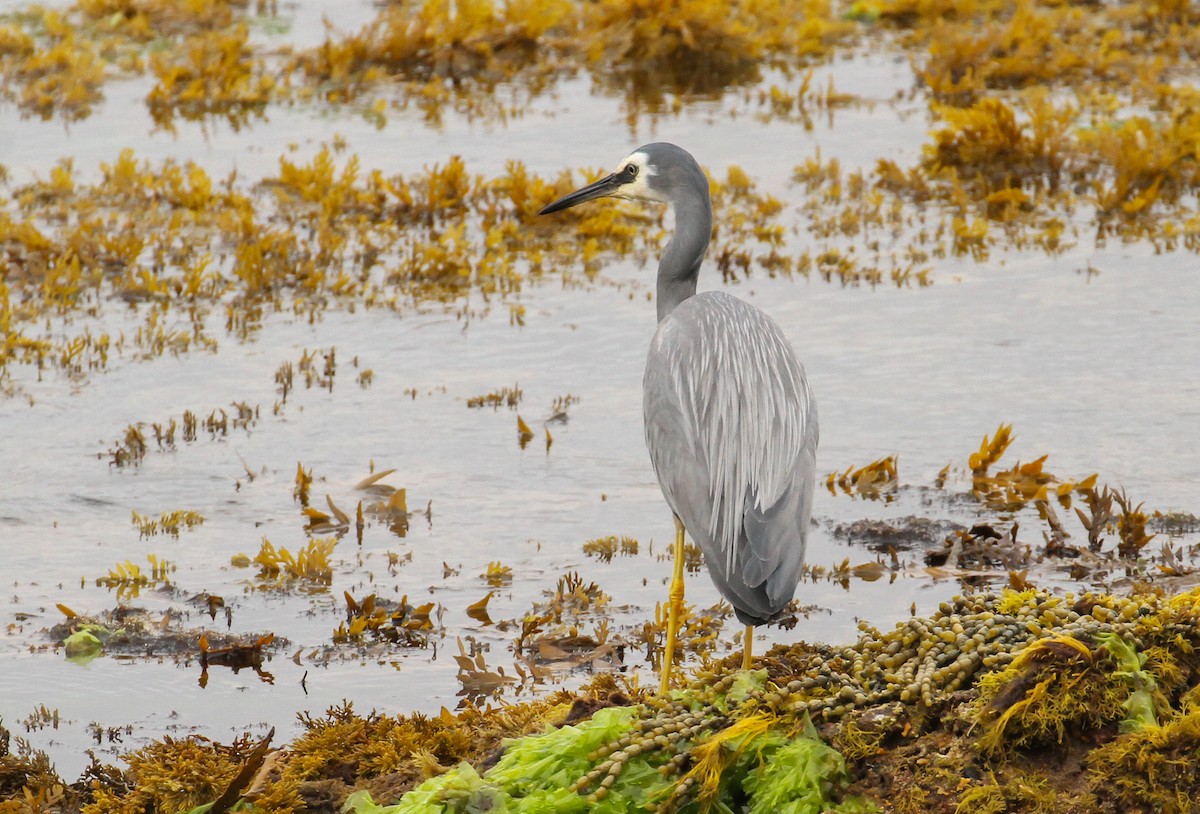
[[263, 675], [237, 657]]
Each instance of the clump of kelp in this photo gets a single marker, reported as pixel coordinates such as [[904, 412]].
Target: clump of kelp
[[874, 481], [131, 631], [1019, 701]]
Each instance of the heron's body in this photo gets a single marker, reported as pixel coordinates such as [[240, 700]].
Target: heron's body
[[732, 433], [730, 423]]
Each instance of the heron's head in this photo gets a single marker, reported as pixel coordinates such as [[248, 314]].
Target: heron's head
[[655, 172]]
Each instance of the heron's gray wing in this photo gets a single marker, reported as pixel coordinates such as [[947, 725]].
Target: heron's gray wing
[[677, 452], [732, 431], [776, 536]]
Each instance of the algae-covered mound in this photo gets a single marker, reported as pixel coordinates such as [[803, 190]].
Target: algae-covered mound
[[1091, 707], [757, 764]]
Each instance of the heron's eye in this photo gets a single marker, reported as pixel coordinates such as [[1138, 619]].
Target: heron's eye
[[631, 170]]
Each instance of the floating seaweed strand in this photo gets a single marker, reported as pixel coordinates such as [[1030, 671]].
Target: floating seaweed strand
[[919, 661]]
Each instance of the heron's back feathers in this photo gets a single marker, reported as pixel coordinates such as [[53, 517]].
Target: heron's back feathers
[[732, 432]]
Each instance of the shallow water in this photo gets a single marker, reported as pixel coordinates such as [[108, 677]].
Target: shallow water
[[1098, 372]]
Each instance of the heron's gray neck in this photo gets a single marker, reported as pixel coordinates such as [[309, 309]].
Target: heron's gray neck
[[680, 264]]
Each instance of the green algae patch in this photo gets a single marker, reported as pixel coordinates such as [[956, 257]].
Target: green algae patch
[[750, 761], [87, 642], [535, 773]]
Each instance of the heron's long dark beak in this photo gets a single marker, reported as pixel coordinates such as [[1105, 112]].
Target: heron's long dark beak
[[605, 186]]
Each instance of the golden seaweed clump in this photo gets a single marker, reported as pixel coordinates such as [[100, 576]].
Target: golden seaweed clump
[[55, 62], [698, 46], [1046, 112], [171, 775], [874, 481], [1029, 43], [211, 72], [652, 40], [1070, 686], [1056, 685], [1022, 483], [55, 72], [309, 566], [1152, 768], [990, 151], [170, 523], [477, 41], [144, 20], [128, 579], [381, 620], [455, 54], [28, 780], [392, 754], [605, 548], [505, 396]]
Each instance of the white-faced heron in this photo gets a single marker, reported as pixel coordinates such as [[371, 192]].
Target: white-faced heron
[[730, 422]]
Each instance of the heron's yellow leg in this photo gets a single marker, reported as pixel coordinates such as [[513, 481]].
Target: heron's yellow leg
[[675, 609], [748, 641]]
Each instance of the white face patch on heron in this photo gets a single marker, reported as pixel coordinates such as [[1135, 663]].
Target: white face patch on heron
[[637, 169]]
